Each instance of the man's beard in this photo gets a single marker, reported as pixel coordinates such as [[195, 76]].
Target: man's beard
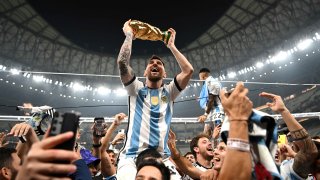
[[14, 174], [154, 78]]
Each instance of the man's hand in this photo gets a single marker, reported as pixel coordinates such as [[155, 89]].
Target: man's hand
[[2, 139], [202, 118], [20, 129], [117, 138], [127, 28], [172, 38], [277, 104], [118, 118], [172, 145], [287, 151], [216, 132], [40, 161], [237, 106]]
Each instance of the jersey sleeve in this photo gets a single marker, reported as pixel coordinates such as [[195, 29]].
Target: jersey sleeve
[[174, 89], [133, 86]]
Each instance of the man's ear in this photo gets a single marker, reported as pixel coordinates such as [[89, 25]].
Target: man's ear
[[6, 172], [164, 75], [145, 73], [196, 149]]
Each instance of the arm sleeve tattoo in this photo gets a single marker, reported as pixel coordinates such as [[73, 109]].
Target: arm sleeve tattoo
[[124, 55], [305, 158]]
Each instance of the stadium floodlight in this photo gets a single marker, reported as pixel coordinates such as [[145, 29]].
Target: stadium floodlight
[[259, 64], [232, 75], [103, 90], [304, 44], [14, 71], [120, 92], [280, 56], [37, 78], [77, 87]]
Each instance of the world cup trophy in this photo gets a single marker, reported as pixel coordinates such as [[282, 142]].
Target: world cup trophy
[[145, 31]]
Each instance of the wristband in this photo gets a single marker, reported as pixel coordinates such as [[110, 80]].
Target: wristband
[[96, 145], [238, 144]]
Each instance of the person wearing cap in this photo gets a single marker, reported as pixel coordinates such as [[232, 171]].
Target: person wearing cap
[[91, 161]]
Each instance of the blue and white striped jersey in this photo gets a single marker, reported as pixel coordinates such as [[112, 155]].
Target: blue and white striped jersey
[[150, 113]]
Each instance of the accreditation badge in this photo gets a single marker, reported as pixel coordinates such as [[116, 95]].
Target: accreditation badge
[[154, 100]]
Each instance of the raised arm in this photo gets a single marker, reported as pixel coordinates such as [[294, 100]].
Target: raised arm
[[237, 160], [185, 66], [126, 73], [182, 163], [107, 169], [24, 130], [304, 159]]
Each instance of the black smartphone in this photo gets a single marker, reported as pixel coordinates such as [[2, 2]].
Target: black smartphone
[[99, 126], [62, 123]]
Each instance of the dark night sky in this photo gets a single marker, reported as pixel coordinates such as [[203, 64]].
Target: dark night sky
[[97, 25]]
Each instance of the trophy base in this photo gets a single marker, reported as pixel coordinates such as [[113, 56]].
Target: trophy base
[[166, 36]]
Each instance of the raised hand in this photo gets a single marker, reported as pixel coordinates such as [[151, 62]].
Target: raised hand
[[118, 118], [20, 129], [237, 105], [277, 104], [127, 28], [172, 38], [40, 161], [216, 132]]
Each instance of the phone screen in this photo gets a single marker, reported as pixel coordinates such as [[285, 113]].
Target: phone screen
[[64, 123], [282, 139], [99, 126]]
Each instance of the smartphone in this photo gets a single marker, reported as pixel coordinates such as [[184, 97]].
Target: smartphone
[[99, 126], [62, 123], [282, 139]]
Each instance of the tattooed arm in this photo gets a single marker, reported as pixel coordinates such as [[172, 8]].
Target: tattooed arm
[[126, 72], [305, 158]]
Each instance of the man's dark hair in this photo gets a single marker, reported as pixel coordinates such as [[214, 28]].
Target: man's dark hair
[[156, 57], [185, 155], [194, 143], [206, 70], [110, 151], [147, 154], [5, 156], [157, 164]]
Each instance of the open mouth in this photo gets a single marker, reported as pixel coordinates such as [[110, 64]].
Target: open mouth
[[209, 149], [154, 69], [217, 159]]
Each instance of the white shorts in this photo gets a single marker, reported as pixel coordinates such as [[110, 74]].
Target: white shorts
[[127, 169]]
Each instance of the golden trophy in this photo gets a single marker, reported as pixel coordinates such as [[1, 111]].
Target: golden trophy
[[145, 31]]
